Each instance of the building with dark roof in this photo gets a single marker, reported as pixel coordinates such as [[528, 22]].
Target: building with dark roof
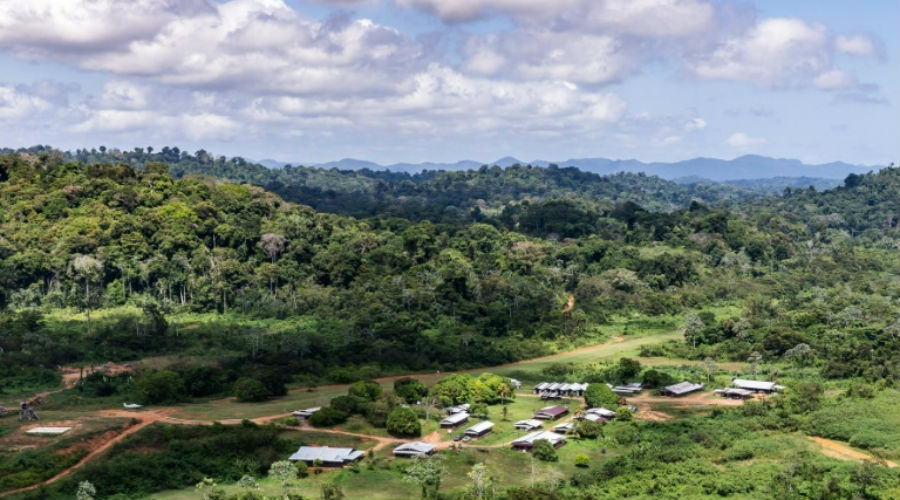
[[551, 412]]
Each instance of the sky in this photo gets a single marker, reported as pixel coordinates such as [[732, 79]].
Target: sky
[[446, 80]]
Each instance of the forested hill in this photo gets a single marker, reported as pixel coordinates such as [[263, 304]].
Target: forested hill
[[438, 196], [416, 294]]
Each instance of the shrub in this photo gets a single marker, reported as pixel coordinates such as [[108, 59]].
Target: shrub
[[582, 460], [410, 389], [302, 468], [348, 404], [860, 390], [368, 390], [544, 451], [327, 417], [589, 430], [624, 414], [600, 394], [403, 422], [164, 386], [290, 421], [250, 389]]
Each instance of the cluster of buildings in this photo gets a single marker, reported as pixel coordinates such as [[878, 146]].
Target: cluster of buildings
[[746, 389], [556, 390]]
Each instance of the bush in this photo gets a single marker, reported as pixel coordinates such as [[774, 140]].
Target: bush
[[164, 386], [410, 389], [368, 390], [589, 430], [250, 389], [290, 421], [582, 460], [348, 404], [403, 422], [623, 414], [599, 394], [544, 451], [302, 468], [860, 390], [327, 417], [653, 379]]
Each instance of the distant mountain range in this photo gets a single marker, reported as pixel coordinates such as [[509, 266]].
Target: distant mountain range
[[687, 171]]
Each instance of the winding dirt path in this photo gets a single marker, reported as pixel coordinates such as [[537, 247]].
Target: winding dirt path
[[841, 451]]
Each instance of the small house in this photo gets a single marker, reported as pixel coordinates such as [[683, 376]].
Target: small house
[[515, 383], [305, 413], [455, 420], [527, 442], [528, 425], [480, 429], [564, 428], [756, 385], [551, 412], [628, 389], [593, 417], [733, 393], [414, 449], [680, 389], [452, 410], [326, 455], [602, 412]]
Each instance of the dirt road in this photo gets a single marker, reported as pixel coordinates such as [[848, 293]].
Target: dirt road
[[841, 451]]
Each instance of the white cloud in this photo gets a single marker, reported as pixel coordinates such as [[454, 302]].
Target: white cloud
[[856, 45], [835, 79], [695, 124], [742, 140], [16, 104], [773, 52]]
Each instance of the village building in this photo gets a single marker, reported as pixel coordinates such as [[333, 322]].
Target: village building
[[733, 393], [556, 390], [551, 412], [326, 455], [414, 449], [528, 425], [455, 420], [601, 412], [463, 408], [628, 389], [593, 417], [480, 429], [564, 428], [527, 442], [680, 389], [306, 413], [756, 385], [516, 383]]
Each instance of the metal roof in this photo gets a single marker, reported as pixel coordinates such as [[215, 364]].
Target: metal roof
[[753, 385], [553, 437], [326, 454], [603, 412], [532, 423], [555, 410], [414, 448], [456, 418], [683, 388], [480, 427]]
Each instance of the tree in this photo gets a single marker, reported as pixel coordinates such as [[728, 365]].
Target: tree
[[89, 269], [754, 359], [482, 487], [301, 467], [427, 472], [327, 417], [250, 389], [800, 354], [653, 378], [628, 369], [164, 386], [479, 410], [284, 472], [86, 491], [368, 390], [544, 451], [403, 422], [409, 389], [710, 365], [599, 394], [505, 392], [332, 491], [589, 430], [272, 244], [693, 325]]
